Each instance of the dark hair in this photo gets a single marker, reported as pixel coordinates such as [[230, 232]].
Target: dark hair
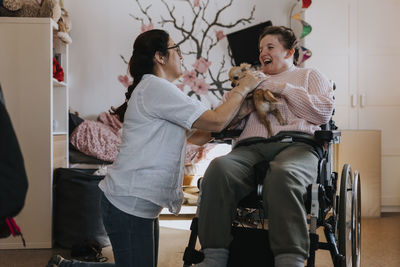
[[142, 62], [285, 36]]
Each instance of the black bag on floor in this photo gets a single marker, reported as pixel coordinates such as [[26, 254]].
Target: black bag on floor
[[77, 208]]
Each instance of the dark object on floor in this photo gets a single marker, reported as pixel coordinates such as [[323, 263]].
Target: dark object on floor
[[77, 209], [88, 250]]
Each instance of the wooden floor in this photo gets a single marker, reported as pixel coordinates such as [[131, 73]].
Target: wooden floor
[[380, 247]]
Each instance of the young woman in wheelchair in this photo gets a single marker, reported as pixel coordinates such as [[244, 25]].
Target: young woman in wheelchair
[[306, 102]]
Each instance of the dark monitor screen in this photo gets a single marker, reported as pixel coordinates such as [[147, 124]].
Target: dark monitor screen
[[244, 44]]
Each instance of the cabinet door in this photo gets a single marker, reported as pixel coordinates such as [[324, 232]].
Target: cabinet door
[[379, 80], [332, 53], [356, 43], [367, 160]]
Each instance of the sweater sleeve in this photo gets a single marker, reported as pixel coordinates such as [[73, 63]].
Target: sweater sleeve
[[314, 103]]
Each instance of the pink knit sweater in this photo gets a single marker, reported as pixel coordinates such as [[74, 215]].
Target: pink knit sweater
[[306, 102]]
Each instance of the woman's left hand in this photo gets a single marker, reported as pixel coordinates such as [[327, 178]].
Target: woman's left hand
[[275, 87]]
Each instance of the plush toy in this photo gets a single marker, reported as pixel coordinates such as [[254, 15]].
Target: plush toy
[[50, 9], [13, 5], [31, 8], [64, 26], [10, 8], [40, 8]]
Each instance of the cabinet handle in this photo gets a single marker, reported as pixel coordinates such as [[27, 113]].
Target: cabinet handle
[[353, 100], [362, 100]]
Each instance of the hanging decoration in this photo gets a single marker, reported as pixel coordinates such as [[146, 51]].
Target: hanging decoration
[[301, 27], [306, 29], [306, 3], [297, 16], [306, 54]]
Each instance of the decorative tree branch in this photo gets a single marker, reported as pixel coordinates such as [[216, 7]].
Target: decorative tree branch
[[144, 11], [197, 32]]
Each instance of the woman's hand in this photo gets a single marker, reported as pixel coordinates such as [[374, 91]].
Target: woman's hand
[[248, 83], [274, 87]]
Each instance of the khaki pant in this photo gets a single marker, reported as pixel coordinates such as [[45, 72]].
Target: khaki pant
[[292, 167]]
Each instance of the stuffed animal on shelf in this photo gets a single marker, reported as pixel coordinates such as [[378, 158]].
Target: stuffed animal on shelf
[[31, 8], [264, 101], [64, 26], [40, 8]]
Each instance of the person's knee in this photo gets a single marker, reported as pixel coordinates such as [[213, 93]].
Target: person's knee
[[215, 174], [283, 182]]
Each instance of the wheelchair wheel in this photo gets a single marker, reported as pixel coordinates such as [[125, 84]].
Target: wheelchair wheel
[[356, 203], [345, 214]]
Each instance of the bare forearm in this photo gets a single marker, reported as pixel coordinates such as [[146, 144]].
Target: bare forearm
[[218, 119], [200, 137]]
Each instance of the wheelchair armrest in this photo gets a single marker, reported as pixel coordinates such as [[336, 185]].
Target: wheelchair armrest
[[328, 135], [226, 136]]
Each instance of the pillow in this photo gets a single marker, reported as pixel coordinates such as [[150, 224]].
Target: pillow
[[74, 121], [95, 139]]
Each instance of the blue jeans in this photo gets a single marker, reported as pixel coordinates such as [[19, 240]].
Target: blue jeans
[[134, 240]]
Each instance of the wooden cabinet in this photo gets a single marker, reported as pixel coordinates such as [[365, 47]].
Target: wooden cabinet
[[354, 43], [362, 150], [38, 107]]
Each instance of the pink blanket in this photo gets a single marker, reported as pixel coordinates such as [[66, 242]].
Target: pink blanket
[[99, 139]]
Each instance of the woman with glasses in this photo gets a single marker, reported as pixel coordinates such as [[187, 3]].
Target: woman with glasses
[[147, 174]]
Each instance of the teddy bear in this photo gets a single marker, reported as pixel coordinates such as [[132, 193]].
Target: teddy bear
[[39, 8], [31, 8], [264, 101]]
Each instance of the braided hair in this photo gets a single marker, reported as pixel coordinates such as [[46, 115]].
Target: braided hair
[[142, 62]]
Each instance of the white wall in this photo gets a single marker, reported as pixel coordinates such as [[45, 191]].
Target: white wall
[[103, 30]]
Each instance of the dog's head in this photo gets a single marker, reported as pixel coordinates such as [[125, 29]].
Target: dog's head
[[238, 72]]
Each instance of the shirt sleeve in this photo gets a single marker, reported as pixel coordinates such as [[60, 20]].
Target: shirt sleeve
[[314, 103], [163, 100]]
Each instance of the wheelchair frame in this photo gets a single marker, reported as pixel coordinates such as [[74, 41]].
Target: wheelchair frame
[[339, 214]]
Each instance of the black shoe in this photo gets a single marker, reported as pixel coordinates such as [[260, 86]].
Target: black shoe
[[55, 261]]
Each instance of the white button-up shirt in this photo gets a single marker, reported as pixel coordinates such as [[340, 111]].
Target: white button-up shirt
[[151, 157]]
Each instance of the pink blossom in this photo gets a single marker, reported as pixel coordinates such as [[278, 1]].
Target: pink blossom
[[201, 65], [196, 3], [220, 35], [181, 86], [124, 80], [146, 28], [189, 77], [201, 87]]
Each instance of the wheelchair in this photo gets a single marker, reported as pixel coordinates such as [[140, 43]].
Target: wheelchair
[[337, 212]]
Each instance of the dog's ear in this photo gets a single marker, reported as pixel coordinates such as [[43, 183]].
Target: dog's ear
[[245, 66]]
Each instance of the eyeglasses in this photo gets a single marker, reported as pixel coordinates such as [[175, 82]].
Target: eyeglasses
[[178, 50]]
